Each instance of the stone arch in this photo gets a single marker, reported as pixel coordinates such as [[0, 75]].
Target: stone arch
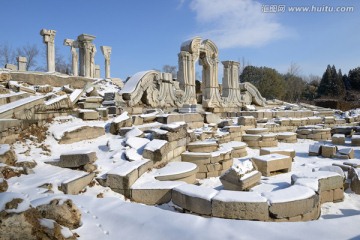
[[207, 53]]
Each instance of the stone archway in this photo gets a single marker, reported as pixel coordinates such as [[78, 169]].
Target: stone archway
[[206, 53]]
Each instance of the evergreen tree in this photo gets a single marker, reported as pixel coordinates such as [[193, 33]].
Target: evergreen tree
[[354, 78], [331, 83], [269, 82]]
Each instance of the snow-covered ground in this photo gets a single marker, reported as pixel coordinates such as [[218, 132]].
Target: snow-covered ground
[[113, 217]]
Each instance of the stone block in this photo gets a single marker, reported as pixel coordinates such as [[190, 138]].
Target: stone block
[[212, 118], [272, 163], [288, 152], [240, 205], [75, 159], [203, 146], [89, 114], [75, 186], [194, 198], [156, 150], [355, 140], [338, 139], [291, 202], [328, 151]]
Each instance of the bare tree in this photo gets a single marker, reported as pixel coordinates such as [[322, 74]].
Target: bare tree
[[30, 52], [170, 69], [294, 69], [62, 65], [243, 63], [7, 54]]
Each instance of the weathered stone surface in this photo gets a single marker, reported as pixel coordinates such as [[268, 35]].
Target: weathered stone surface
[[240, 205], [288, 152], [338, 139], [177, 171], [82, 133], [212, 118], [328, 151], [194, 198], [292, 201], [76, 159], [156, 150], [355, 180], [74, 186], [87, 114], [203, 146], [3, 185], [272, 162], [7, 155], [65, 212], [232, 181]]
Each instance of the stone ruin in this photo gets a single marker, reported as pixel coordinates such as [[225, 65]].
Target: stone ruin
[[170, 138]]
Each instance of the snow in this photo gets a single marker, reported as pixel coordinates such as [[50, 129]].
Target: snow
[[133, 155], [292, 193], [75, 95], [196, 191], [243, 167], [124, 116], [131, 84], [18, 103], [314, 175], [101, 217], [4, 148], [48, 223], [137, 142], [174, 168], [127, 167], [271, 157], [56, 99], [134, 132], [239, 196], [308, 182], [6, 197], [155, 144], [58, 130]]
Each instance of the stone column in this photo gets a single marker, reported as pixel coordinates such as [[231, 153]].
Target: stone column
[[87, 52], [49, 40], [231, 87], [186, 76], [106, 51], [74, 55], [97, 71], [22, 62]]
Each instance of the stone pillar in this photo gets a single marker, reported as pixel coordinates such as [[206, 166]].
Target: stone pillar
[[97, 71], [87, 52], [106, 51], [186, 76], [22, 62], [230, 86], [74, 55], [49, 40], [231, 77]]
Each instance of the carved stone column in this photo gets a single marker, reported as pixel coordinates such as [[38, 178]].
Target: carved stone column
[[49, 40], [186, 77], [87, 52], [106, 51], [74, 55], [231, 88]]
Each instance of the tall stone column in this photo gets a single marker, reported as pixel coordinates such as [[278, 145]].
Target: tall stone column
[[186, 76], [230, 86], [49, 40], [106, 51], [87, 52], [74, 55]]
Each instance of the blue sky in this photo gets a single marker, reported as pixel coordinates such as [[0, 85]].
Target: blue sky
[[147, 34]]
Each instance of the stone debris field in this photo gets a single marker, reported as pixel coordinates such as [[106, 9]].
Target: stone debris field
[[85, 157]]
